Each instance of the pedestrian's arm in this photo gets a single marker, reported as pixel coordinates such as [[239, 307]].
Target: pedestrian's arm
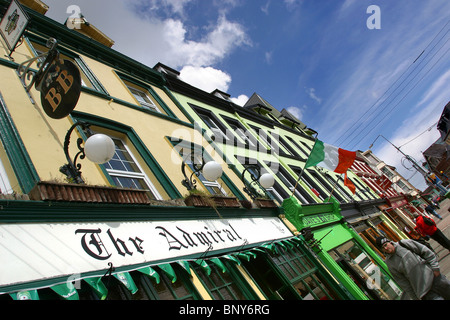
[[425, 254]]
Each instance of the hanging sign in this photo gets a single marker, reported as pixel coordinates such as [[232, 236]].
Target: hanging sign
[[13, 24], [60, 89]]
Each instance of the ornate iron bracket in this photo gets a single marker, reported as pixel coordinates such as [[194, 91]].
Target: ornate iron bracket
[[191, 183], [26, 74], [72, 168], [255, 174]]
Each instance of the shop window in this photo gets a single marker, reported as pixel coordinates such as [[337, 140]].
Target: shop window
[[270, 279], [149, 289], [369, 277], [220, 285], [181, 289], [302, 274]]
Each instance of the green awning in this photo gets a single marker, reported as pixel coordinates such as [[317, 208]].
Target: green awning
[[185, 265], [127, 280], [202, 263], [168, 270], [243, 255], [232, 258], [98, 286], [219, 264], [150, 272], [25, 295], [66, 290]]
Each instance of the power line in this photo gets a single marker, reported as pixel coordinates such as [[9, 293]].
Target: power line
[[387, 114], [407, 85], [359, 123], [429, 129]]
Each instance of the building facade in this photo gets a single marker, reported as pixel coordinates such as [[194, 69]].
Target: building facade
[[133, 226]]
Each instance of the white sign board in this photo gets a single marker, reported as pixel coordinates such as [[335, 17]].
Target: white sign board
[[31, 252], [13, 24]]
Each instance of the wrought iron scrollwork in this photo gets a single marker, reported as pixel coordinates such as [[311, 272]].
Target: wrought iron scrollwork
[[30, 77], [255, 174], [191, 183], [72, 168]]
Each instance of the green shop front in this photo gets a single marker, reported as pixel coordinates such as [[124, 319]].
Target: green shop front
[[342, 250]]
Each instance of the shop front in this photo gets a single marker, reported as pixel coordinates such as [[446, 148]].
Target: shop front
[[342, 250], [370, 222], [401, 213], [134, 252]]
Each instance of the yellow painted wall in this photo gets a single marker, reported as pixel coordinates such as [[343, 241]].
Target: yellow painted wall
[[43, 136]]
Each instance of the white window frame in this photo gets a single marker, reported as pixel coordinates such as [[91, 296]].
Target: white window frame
[[5, 186], [143, 98], [135, 175], [214, 127], [206, 183]]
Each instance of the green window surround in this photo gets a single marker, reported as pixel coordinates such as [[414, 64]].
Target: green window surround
[[145, 154], [18, 156], [142, 91]]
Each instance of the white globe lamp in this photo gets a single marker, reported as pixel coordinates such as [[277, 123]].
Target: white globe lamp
[[266, 180], [212, 171], [99, 148]]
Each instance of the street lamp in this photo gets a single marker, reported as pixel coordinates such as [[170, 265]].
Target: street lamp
[[265, 180], [210, 170], [99, 148]]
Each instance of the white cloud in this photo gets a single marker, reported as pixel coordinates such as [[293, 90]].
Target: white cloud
[[265, 8], [312, 94], [296, 111], [241, 100], [268, 56], [207, 79]]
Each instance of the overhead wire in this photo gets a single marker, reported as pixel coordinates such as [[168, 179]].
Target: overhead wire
[[388, 113], [359, 123]]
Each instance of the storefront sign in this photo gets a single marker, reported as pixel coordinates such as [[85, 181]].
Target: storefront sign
[[41, 251], [60, 89], [13, 24], [319, 219]]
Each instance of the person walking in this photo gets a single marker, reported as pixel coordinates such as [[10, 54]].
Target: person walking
[[431, 210], [415, 268], [427, 227]]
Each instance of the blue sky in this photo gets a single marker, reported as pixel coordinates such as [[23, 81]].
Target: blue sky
[[316, 58]]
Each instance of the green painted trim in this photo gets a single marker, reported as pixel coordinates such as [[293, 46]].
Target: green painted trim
[[145, 86], [19, 158], [303, 216], [379, 261], [340, 274], [19, 211], [146, 155], [338, 287]]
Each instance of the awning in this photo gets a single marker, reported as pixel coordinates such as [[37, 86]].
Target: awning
[[68, 290]]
